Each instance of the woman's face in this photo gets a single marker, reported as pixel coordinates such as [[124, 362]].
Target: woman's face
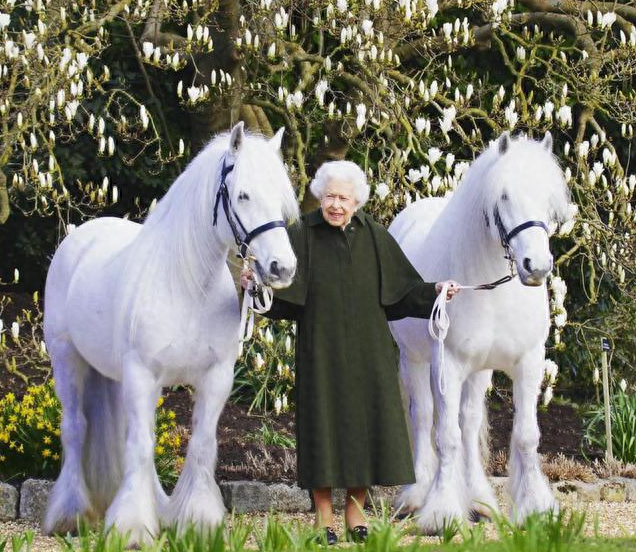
[[338, 202]]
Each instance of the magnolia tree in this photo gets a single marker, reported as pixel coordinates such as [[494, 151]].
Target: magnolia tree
[[411, 90], [50, 70]]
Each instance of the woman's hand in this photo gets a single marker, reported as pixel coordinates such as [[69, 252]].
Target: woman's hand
[[246, 276], [453, 288]]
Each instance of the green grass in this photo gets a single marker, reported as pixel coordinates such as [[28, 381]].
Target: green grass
[[269, 436], [541, 533]]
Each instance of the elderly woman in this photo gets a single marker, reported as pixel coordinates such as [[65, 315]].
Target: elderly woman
[[352, 278]]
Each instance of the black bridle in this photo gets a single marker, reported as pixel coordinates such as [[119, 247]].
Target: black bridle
[[505, 238], [242, 237]]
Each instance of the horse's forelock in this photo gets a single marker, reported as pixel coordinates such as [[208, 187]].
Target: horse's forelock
[[256, 158], [526, 172]]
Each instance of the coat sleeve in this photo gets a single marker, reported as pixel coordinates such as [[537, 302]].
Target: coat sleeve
[[288, 303], [403, 293]]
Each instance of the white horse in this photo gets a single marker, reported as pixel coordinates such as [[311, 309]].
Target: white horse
[[131, 308], [511, 195]]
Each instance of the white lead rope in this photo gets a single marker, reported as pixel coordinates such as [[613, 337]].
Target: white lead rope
[[256, 298]]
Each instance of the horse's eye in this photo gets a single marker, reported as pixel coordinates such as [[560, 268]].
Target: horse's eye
[[504, 196], [243, 196]]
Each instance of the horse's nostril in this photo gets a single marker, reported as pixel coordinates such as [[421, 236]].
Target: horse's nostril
[[527, 264], [273, 268]]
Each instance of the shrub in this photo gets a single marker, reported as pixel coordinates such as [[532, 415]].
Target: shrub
[[623, 417], [263, 373]]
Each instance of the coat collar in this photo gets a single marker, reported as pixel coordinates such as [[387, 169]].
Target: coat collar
[[315, 217]]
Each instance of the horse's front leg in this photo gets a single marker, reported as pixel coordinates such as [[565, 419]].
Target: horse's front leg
[[197, 497], [414, 371], [528, 486], [474, 424], [446, 499], [133, 510]]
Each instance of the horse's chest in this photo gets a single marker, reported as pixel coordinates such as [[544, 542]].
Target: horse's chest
[[496, 338]]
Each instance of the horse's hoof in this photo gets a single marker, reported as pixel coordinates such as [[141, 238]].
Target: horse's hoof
[[403, 513], [476, 516]]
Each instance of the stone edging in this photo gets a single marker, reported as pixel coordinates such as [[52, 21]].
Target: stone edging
[[29, 502]]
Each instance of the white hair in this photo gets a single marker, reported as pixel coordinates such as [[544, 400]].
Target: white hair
[[346, 171]]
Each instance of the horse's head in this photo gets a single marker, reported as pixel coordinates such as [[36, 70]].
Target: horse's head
[[260, 199], [529, 199]]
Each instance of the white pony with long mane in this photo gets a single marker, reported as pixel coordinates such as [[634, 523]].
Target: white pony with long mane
[[131, 308], [512, 183]]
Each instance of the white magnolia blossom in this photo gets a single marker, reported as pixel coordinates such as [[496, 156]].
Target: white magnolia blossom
[[143, 115], [596, 376], [434, 155], [548, 109], [148, 49], [321, 89], [433, 7], [259, 361], [269, 338], [278, 405], [551, 371], [623, 385], [5, 20], [607, 20], [511, 115], [342, 5], [446, 124], [564, 115], [15, 330], [361, 111], [288, 344], [547, 395], [194, 93], [414, 175], [382, 190], [367, 27]]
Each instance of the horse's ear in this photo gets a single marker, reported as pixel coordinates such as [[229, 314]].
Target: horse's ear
[[547, 141], [504, 142], [276, 140], [236, 138]]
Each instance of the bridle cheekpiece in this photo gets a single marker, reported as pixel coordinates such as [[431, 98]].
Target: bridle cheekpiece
[[242, 236]]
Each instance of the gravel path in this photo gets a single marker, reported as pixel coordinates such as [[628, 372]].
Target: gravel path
[[614, 520]]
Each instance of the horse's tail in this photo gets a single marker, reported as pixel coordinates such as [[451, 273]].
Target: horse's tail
[[103, 455], [484, 438]]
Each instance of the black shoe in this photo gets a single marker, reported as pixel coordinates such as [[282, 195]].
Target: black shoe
[[327, 536], [358, 534]]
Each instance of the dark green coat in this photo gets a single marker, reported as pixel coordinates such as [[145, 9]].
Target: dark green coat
[[350, 424]]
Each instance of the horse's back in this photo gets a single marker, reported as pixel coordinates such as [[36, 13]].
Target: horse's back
[[411, 226]]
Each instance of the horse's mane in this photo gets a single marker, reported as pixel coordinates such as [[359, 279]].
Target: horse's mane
[[527, 172], [177, 245]]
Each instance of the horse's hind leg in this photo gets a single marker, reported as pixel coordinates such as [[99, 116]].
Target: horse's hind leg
[[528, 486], [472, 419], [415, 376], [69, 498], [197, 497], [134, 508]]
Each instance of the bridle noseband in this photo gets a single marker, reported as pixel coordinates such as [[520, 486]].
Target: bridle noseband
[[505, 238], [242, 241]]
